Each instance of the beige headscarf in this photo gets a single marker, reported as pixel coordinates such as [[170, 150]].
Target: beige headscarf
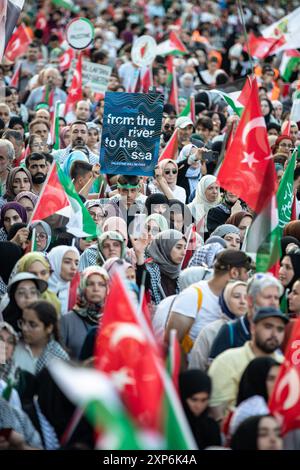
[[200, 205]]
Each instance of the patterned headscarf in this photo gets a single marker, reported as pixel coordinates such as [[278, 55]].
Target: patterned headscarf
[[83, 307]]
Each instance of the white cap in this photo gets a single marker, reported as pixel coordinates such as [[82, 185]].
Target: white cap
[[183, 121]]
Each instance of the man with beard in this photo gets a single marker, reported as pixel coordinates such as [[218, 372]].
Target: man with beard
[[37, 165], [79, 137], [267, 334]]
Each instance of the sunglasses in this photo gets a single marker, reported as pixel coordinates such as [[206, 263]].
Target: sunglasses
[[167, 172], [168, 127]]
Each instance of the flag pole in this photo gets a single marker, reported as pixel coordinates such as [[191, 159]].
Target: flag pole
[[245, 33]]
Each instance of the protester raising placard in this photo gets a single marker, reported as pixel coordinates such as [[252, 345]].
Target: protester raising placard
[[131, 133]]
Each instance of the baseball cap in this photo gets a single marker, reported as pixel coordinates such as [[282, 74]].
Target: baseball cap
[[40, 283], [183, 121], [233, 259], [266, 312]]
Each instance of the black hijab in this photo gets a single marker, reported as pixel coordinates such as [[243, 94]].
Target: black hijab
[[253, 381], [154, 199], [285, 241], [10, 253], [205, 429], [245, 437], [295, 260]]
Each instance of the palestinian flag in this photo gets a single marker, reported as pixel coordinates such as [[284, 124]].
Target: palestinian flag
[[189, 110], [67, 5], [173, 95], [263, 238], [172, 46], [58, 196], [94, 392], [171, 149], [235, 94], [289, 62]]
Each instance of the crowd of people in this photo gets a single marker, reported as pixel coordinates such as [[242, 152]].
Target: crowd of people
[[233, 324]]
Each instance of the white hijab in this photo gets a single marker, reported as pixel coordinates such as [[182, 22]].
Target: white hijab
[[200, 205], [56, 283]]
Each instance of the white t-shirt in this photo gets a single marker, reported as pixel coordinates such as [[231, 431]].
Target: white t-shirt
[[186, 304], [161, 316]]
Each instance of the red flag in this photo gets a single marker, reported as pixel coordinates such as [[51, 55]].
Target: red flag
[[190, 246], [73, 291], [41, 20], [193, 111], [147, 80], [18, 44], [171, 149], [294, 209], [262, 47], [75, 90], [248, 162], [15, 79], [286, 128], [285, 399], [128, 353], [66, 59]]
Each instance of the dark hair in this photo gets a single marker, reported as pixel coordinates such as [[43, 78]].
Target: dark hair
[[129, 179], [8, 91], [35, 156], [49, 158], [16, 120], [46, 313], [78, 122], [273, 125], [80, 168], [206, 122], [11, 133], [35, 44], [296, 173]]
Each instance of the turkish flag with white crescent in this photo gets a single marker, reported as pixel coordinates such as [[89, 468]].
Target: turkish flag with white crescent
[[248, 170], [284, 402], [18, 44], [129, 354], [75, 90]]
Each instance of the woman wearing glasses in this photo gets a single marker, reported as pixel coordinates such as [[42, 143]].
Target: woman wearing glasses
[[166, 174], [283, 145], [43, 235]]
